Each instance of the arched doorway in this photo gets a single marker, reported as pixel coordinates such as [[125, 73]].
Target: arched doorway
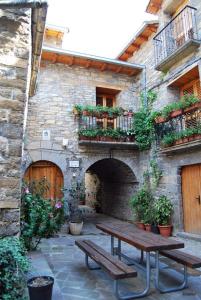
[[110, 183], [51, 172]]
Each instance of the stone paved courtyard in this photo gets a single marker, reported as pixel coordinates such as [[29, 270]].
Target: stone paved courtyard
[[76, 282]]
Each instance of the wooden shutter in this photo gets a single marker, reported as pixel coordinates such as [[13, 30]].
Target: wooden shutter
[[192, 88]]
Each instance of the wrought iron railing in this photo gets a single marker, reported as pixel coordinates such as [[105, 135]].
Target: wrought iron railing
[[186, 125], [119, 128], [175, 34]]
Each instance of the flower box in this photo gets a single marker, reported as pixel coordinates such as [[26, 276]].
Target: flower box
[[160, 119], [176, 113], [192, 107]]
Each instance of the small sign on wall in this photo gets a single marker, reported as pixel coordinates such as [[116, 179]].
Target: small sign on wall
[[74, 163], [46, 135]]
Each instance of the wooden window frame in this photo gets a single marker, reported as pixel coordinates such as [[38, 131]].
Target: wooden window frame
[[104, 120]]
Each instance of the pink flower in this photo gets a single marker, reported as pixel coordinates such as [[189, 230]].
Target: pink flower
[[58, 204], [26, 190]]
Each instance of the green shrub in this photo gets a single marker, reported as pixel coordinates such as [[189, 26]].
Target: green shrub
[[141, 203], [163, 210], [40, 217], [13, 265]]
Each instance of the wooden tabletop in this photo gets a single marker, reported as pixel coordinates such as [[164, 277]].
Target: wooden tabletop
[[139, 238]]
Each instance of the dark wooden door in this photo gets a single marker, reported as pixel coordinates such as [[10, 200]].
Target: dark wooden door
[[191, 192], [51, 172]]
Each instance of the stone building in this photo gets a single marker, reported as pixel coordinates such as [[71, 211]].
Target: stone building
[[172, 57], [164, 56], [21, 32]]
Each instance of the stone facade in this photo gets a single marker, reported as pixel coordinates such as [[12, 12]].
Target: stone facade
[[15, 51], [170, 164], [60, 87]]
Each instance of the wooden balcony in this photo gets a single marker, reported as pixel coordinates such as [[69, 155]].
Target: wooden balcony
[[176, 40]]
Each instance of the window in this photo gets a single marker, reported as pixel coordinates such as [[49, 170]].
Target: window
[[106, 97], [109, 101]]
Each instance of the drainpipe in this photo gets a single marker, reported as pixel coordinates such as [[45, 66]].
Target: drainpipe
[[144, 80], [23, 3]]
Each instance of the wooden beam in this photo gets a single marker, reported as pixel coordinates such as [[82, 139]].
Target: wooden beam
[[54, 58], [103, 67], [132, 72], [71, 61], [88, 63], [118, 69], [143, 38]]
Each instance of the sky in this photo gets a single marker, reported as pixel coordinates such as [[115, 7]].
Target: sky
[[98, 27]]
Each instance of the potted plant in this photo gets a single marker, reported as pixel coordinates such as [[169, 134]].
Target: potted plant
[[164, 208], [76, 220], [40, 287], [140, 203]]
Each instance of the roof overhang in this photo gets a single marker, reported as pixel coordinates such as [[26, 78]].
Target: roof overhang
[[39, 12], [141, 36], [153, 6], [71, 58]]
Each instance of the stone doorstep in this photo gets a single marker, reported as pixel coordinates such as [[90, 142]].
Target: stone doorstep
[[40, 266], [189, 236]]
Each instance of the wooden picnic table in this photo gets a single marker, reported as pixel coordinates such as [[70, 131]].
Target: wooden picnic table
[[142, 240]]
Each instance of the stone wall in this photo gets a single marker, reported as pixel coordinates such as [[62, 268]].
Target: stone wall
[[15, 46], [60, 87], [170, 164]]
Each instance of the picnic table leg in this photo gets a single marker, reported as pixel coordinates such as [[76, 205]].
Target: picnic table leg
[[112, 245], [137, 294], [87, 263], [119, 249], [170, 289], [142, 257]]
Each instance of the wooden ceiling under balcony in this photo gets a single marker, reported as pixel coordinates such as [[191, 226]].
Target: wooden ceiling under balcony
[[101, 64], [153, 6]]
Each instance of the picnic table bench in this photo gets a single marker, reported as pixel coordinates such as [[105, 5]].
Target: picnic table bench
[[113, 266]]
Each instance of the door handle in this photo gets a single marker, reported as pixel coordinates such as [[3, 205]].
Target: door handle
[[199, 200]]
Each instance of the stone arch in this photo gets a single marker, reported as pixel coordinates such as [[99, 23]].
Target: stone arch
[[49, 170], [117, 183]]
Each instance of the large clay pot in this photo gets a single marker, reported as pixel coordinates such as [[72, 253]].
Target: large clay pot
[[75, 228], [165, 230]]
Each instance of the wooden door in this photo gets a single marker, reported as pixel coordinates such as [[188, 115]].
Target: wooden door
[[109, 101], [51, 172], [191, 192]]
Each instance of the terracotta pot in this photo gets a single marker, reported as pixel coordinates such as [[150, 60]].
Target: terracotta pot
[[178, 142], [75, 228], [160, 120], [148, 227], [192, 107], [140, 225], [165, 230], [176, 113], [85, 113], [84, 138]]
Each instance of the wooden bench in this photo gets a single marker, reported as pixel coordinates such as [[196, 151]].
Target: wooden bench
[[114, 267], [183, 258], [187, 260]]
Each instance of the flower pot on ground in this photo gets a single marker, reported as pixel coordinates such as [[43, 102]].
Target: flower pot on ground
[[40, 287], [165, 230], [140, 225], [163, 210], [75, 228], [147, 227]]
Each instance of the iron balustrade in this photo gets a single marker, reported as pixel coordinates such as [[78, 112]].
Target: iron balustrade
[[188, 120], [122, 123], [175, 34]]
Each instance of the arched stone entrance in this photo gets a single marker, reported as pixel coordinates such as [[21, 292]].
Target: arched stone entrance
[[111, 183], [53, 174]]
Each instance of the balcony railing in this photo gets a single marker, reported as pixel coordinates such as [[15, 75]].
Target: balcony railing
[[119, 129], [179, 130], [175, 34]]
